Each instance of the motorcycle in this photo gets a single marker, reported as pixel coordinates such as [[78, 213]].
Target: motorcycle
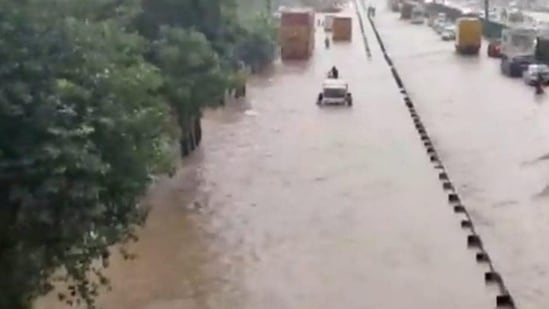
[[539, 86], [539, 89]]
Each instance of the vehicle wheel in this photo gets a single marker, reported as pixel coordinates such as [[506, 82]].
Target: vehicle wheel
[[319, 99], [349, 100]]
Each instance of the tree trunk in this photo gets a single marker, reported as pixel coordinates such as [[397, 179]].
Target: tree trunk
[[198, 130]]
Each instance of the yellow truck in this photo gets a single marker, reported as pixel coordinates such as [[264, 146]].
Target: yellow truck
[[468, 35]]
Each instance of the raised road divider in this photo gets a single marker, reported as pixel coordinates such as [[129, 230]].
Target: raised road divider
[[473, 240]]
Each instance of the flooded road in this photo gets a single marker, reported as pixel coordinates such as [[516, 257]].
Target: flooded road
[[493, 136], [290, 206]]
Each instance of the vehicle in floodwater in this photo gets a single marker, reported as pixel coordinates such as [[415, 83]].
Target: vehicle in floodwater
[[334, 92], [418, 16], [395, 5], [406, 10], [448, 33], [534, 72], [518, 46], [514, 66], [469, 35], [518, 41]]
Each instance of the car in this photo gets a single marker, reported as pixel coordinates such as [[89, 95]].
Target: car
[[334, 92], [448, 33], [439, 28], [530, 75], [494, 49], [514, 66], [438, 24], [417, 20]]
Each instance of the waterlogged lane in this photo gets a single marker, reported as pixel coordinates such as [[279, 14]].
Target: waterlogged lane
[[290, 206], [492, 134]]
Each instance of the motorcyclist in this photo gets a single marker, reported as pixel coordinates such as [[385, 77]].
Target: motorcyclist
[[539, 84], [334, 73]]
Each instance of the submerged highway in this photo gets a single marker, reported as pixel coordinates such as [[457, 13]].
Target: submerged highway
[[292, 206], [493, 135]]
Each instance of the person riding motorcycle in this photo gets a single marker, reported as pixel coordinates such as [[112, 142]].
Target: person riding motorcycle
[[539, 84], [333, 73]]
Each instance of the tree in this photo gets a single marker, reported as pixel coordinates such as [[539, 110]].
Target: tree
[[257, 47], [192, 70], [82, 132], [88, 93]]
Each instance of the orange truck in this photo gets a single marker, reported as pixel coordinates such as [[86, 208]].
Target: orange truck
[[342, 28], [296, 34]]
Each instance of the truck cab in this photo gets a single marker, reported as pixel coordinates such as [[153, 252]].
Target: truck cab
[[518, 41]]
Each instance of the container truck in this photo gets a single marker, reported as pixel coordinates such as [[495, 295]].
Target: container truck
[[406, 10], [296, 34], [468, 35], [418, 16], [342, 28]]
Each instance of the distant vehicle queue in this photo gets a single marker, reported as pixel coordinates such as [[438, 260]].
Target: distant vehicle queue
[[523, 51]]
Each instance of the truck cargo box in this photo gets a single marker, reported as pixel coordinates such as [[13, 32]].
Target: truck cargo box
[[296, 42], [468, 35], [342, 28], [297, 17]]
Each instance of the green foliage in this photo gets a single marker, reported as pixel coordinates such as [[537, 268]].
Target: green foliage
[[82, 131], [257, 47], [192, 69], [88, 94]]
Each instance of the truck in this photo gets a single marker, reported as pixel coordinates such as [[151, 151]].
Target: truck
[[406, 10], [296, 34], [342, 28], [518, 41], [394, 5], [468, 35], [518, 49], [418, 16]]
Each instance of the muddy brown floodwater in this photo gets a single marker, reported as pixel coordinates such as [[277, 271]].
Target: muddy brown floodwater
[[287, 205], [492, 132]]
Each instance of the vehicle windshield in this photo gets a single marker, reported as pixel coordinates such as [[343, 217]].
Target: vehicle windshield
[[334, 92]]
